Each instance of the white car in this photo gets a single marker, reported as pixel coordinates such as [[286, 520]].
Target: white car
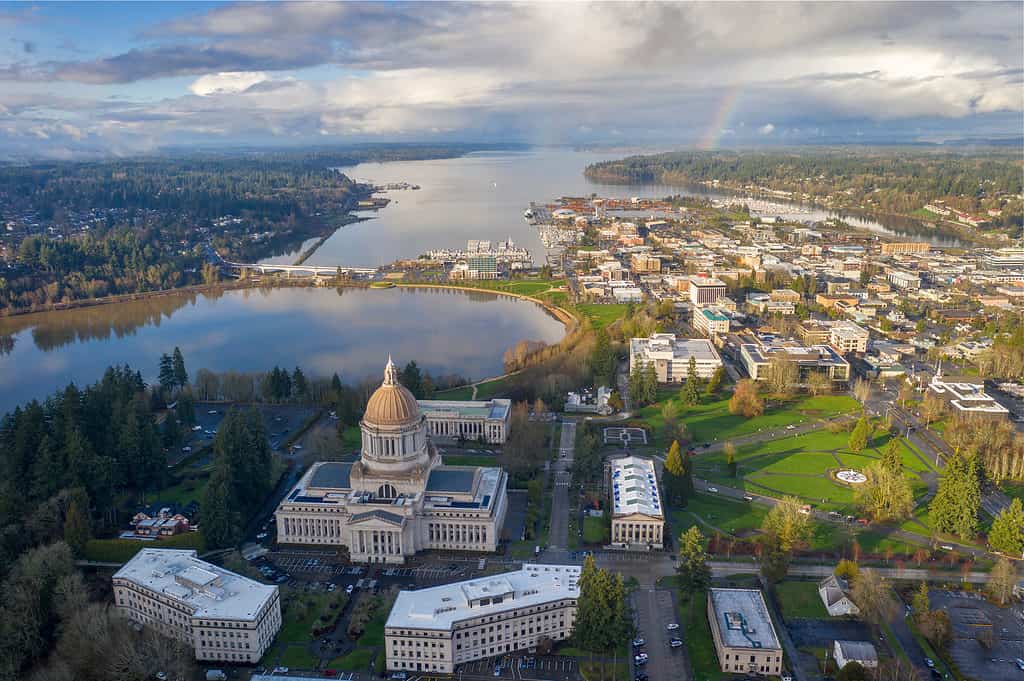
[[280, 670], [791, 427], [349, 589], [672, 627], [675, 643], [713, 489]]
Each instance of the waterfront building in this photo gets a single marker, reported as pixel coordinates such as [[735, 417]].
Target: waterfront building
[[710, 321], [435, 629], [757, 359], [485, 421], [744, 636], [223, 616], [637, 518], [671, 356], [397, 499], [905, 247], [706, 290]]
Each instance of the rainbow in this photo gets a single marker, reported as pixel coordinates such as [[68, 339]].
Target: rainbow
[[709, 140]]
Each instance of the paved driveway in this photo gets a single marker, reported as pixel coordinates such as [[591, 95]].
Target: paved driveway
[[653, 611]]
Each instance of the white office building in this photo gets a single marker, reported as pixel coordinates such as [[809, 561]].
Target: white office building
[[845, 336], [637, 517], [223, 616], [711, 321], [706, 290], [671, 356], [435, 629], [484, 421], [744, 635]]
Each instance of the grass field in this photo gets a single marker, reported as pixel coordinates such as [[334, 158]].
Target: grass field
[[122, 550], [703, 659], [601, 316], [594, 531], [484, 391], [184, 491], [800, 599], [731, 516], [356, 661]]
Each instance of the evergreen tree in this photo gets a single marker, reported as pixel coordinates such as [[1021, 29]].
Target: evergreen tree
[[859, 436], [76, 528], [690, 394], [299, 384], [921, 603], [730, 459], [1007, 533], [693, 571], [636, 385], [412, 379], [957, 503], [218, 521], [687, 487], [166, 375], [336, 384], [650, 384], [892, 459], [602, 359], [186, 408], [180, 375], [715, 382], [673, 475]]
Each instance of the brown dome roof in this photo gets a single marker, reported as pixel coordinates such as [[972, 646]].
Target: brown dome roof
[[391, 404]]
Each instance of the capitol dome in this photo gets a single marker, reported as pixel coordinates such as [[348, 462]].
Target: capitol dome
[[391, 404]]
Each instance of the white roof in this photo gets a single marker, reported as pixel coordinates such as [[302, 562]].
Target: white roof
[[635, 487], [742, 619], [439, 607], [667, 346], [204, 588]]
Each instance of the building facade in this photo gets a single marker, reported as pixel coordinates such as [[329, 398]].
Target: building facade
[[861, 652], [671, 356], [711, 321], [845, 336], [484, 421], [644, 263], [435, 629], [706, 290], [834, 592], [904, 247], [757, 360], [967, 398], [637, 519], [398, 498], [221, 615], [743, 632]]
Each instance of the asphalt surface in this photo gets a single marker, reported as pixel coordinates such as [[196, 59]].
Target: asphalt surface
[[653, 611], [558, 534]]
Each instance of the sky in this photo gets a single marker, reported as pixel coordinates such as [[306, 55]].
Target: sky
[[88, 78]]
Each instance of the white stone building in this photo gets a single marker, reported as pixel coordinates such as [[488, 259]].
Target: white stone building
[[744, 635], [845, 336], [637, 517], [485, 421], [432, 630], [671, 356], [398, 499], [222, 616]]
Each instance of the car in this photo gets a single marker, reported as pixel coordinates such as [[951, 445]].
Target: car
[[212, 412], [791, 427], [935, 674], [706, 445], [281, 579], [497, 670], [398, 676], [261, 535], [329, 672], [637, 642], [161, 676], [946, 547], [672, 627], [196, 428], [1020, 664], [676, 643], [640, 676], [332, 587], [640, 661], [186, 449], [786, 677], [713, 489], [349, 589], [280, 670], [931, 663], [747, 497]]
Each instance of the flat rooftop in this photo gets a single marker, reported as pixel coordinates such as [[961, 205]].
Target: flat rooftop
[[743, 619], [491, 409], [818, 355], [970, 397], [635, 487], [206, 589], [440, 607], [667, 346]]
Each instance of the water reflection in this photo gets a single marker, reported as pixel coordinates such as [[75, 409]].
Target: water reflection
[[349, 331]]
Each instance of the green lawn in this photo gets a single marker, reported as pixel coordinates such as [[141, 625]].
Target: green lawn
[[183, 491], [703, 659], [594, 530], [601, 316], [523, 287], [356, 661], [352, 438], [731, 516], [122, 550], [461, 393], [800, 599]]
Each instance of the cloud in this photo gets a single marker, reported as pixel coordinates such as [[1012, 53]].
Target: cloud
[[226, 82], [766, 129]]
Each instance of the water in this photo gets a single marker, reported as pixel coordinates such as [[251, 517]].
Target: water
[[483, 196], [289, 257], [321, 330]]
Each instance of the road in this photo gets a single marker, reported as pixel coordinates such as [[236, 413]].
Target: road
[[558, 534]]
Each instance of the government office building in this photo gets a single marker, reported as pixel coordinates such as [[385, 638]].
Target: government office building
[[483, 421], [744, 636], [397, 499], [671, 356], [435, 629], [223, 616], [637, 518]]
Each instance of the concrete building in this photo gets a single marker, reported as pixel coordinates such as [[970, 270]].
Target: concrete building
[[904, 247], [706, 290], [814, 331], [476, 267], [1004, 259], [637, 517], [644, 262], [223, 616], [784, 295], [834, 592], [757, 359], [711, 321], [862, 652], [845, 336], [397, 499], [671, 356], [435, 629], [744, 635], [452, 419], [967, 398], [909, 281]]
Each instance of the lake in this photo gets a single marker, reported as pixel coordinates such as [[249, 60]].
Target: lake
[[483, 196], [349, 331]]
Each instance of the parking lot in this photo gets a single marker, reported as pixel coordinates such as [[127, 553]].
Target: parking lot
[[526, 667], [986, 638], [653, 611]]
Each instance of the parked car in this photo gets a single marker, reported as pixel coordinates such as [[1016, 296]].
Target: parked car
[[637, 642], [713, 489], [672, 627], [747, 497], [349, 589], [931, 663], [676, 643]]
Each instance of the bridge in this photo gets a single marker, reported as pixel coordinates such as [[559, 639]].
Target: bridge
[[262, 268]]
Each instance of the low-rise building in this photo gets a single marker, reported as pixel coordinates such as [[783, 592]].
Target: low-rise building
[[846, 336], [862, 652], [835, 594], [967, 398], [435, 629], [645, 262], [908, 281], [824, 359], [710, 321], [222, 615], [904, 247], [671, 356], [469, 420], [637, 517], [743, 632]]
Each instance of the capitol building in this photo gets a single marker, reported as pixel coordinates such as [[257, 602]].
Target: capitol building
[[398, 498]]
